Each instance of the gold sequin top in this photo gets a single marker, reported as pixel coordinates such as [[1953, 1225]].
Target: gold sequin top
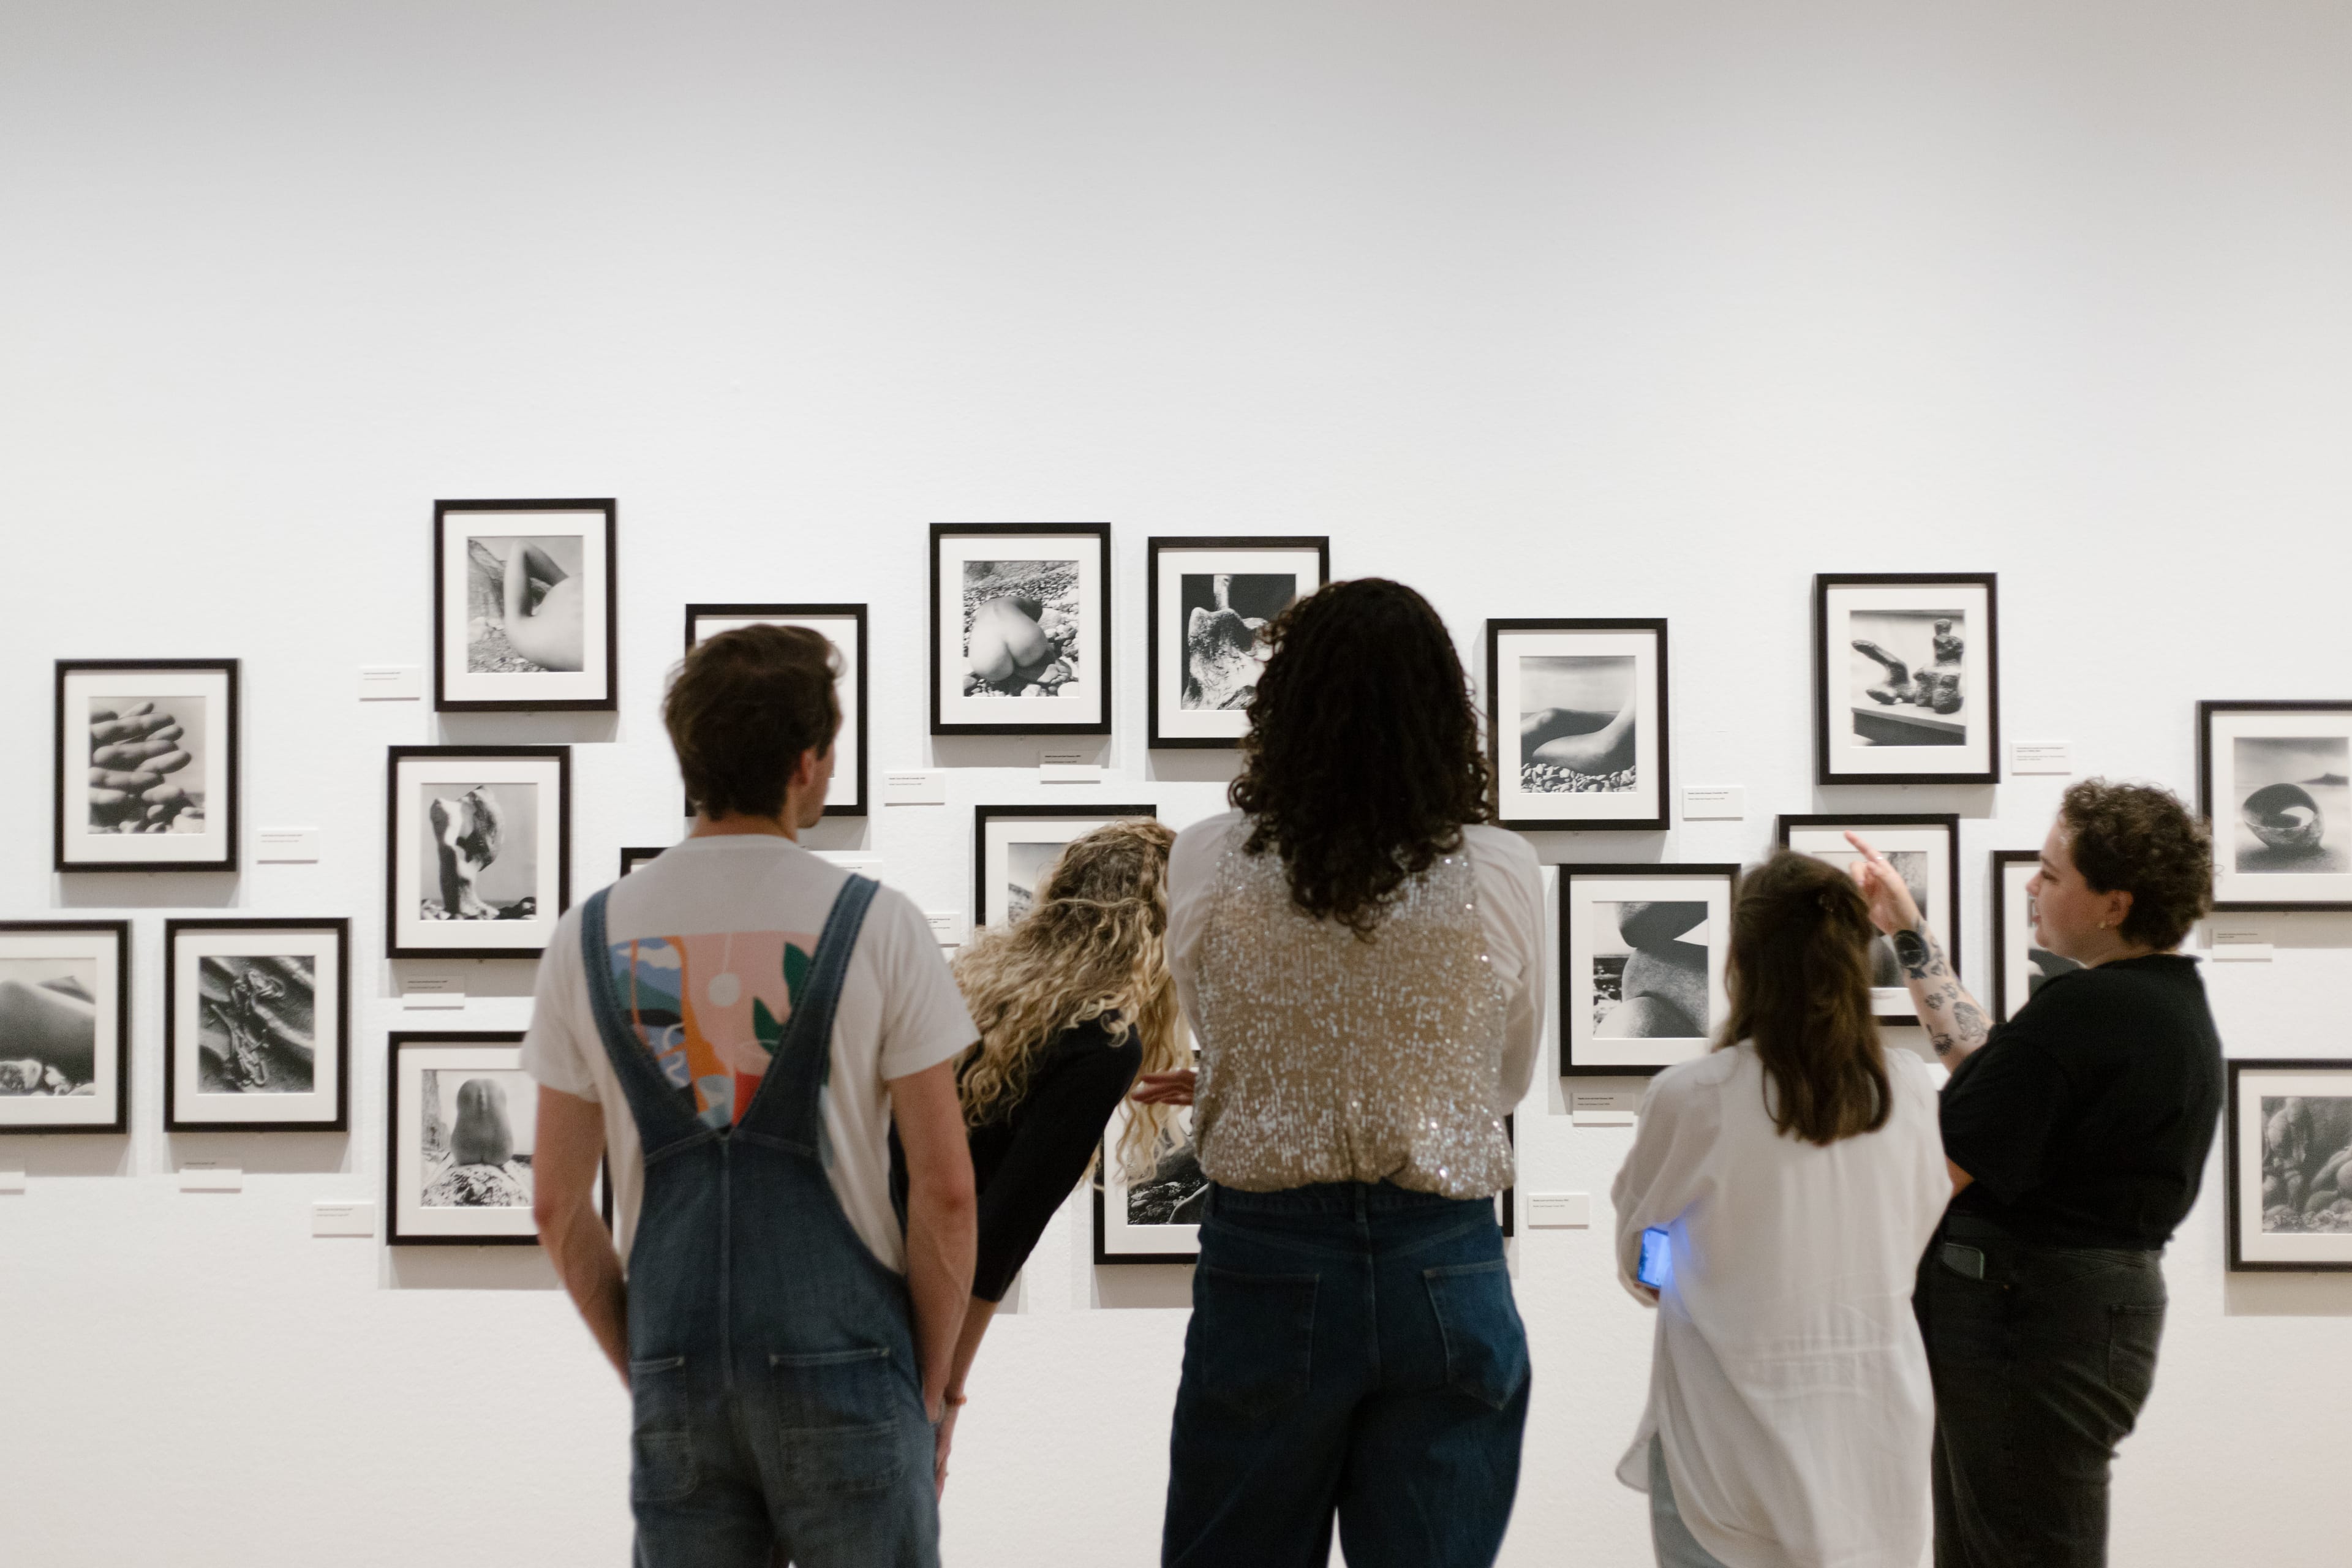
[[1327, 1058]]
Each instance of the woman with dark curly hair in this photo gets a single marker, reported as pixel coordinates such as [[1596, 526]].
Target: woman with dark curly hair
[[2077, 1133], [1360, 954]]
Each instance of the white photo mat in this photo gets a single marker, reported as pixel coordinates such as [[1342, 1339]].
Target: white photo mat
[[592, 681], [97, 956], [409, 929], [412, 1219], [1540, 808], [1167, 620], [2251, 1083], [1842, 697], [848, 761], [323, 946], [2232, 836], [1083, 700], [1589, 931], [1892, 1004], [209, 774], [998, 836]]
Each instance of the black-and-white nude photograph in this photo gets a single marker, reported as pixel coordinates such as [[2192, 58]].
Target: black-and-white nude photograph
[[2293, 803], [479, 845], [257, 1032], [1175, 1192], [48, 1026], [2306, 1163], [1020, 628], [1577, 718], [1649, 969], [523, 603], [1225, 617], [147, 760], [475, 1145], [1909, 676]]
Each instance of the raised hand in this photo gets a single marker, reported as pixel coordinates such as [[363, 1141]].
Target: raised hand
[[130, 754], [1891, 908], [1165, 1087]]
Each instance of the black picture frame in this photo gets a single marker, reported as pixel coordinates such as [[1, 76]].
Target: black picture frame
[[232, 809], [1573, 872], [394, 1043], [1946, 929], [1987, 681], [1101, 679], [395, 842], [2225, 832], [1158, 633], [634, 856], [981, 815], [120, 933], [2234, 1154], [173, 1045], [1652, 626], [443, 702], [858, 804]]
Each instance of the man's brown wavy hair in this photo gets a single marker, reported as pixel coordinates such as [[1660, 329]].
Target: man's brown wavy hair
[[1799, 972], [1362, 759]]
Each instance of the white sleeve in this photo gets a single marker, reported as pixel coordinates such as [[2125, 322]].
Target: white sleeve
[[1510, 895], [924, 1020], [561, 1033], [1667, 1168], [1192, 874]]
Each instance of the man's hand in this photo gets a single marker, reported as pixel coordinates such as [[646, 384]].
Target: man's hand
[[944, 1438]]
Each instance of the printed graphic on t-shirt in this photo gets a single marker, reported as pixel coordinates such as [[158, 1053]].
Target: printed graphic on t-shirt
[[712, 1008]]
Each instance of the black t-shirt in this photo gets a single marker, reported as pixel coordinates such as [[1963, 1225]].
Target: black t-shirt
[[1026, 1160], [2086, 1118]]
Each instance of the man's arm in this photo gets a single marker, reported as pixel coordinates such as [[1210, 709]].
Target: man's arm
[[564, 1182], [941, 1218]]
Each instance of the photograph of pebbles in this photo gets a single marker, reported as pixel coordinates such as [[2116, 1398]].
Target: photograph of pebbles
[[1577, 724], [1020, 629]]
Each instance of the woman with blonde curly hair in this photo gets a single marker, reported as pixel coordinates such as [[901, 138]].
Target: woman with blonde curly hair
[[1072, 1000]]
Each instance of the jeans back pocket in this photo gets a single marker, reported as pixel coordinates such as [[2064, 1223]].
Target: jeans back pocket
[[838, 1419], [1251, 1347], [1485, 1343], [661, 1431]]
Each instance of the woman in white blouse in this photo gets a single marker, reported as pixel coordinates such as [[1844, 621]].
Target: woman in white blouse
[[1797, 1174]]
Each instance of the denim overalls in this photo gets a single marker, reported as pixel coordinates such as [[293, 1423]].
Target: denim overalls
[[779, 1408]]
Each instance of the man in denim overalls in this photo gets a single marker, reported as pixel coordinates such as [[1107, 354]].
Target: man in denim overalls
[[743, 1024]]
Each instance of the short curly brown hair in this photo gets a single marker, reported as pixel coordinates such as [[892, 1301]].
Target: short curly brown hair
[[2141, 840]]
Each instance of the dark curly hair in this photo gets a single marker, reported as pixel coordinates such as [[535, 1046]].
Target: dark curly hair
[[1362, 759], [2140, 839]]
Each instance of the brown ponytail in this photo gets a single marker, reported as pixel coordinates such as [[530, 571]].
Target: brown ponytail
[[1799, 976]]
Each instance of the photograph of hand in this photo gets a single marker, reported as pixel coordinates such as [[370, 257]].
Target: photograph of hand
[[143, 756]]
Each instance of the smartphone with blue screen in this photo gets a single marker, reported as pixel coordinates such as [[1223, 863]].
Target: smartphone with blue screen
[[1655, 1258]]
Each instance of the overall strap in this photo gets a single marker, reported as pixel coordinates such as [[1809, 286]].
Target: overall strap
[[786, 1108], [665, 1121]]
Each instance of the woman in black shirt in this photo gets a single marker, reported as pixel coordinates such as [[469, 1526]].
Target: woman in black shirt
[[1072, 1000], [2077, 1133]]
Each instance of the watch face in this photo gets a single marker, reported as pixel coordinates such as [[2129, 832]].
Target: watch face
[[1910, 949]]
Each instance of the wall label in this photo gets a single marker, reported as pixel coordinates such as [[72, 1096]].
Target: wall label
[[1714, 802], [2041, 757], [1559, 1209], [341, 1218], [211, 1176], [286, 844], [392, 683], [915, 786]]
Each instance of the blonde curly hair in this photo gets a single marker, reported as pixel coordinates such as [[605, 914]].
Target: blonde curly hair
[[1093, 945]]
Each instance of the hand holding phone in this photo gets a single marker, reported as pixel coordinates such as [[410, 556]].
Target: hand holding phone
[[1657, 1258]]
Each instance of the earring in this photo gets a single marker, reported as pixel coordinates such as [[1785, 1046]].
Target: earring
[[2102, 925]]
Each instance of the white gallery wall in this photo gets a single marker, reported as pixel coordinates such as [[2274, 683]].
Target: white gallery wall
[[1550, 308]]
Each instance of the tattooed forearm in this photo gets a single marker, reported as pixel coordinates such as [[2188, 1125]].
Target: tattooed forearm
[[1955, 1024]]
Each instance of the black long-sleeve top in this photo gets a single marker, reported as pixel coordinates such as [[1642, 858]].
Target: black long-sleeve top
[[1025, 1159]]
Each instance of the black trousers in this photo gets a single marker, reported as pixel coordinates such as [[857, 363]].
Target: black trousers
[[2042, 1357]]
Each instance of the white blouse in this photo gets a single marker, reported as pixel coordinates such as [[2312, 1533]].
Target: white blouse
[[1788, 1385]]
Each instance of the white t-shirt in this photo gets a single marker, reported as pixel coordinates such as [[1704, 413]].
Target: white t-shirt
[[1510, 907], [1788, 1385], [703, 941]]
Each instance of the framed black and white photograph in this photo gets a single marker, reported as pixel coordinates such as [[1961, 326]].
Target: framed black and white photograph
[[636, 855], [256, 1025], [2276, 780], [1907, 679], [1211, 602], [1012, 847], [2020, 965], [524, 616], [462, 1118], [1924, 849], [478, 850], [2289, 1149], [65, 1026], [843, 626], [1643, 953], [1576, 723], [1021, 628], [146, 765], [1154, 1217]]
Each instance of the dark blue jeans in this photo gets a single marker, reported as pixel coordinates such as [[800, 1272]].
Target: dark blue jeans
[[1354, 1349], [2042, 1357]]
